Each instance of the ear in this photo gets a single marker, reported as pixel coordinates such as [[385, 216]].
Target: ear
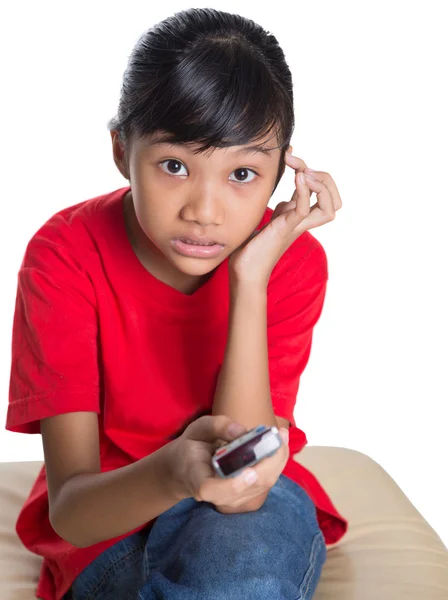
[[119, 155]]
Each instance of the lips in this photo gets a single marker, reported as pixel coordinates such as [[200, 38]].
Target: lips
[[199, 240], [197, 248], [195, 243]]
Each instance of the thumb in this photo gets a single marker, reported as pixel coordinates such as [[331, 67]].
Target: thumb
[[211, 428]]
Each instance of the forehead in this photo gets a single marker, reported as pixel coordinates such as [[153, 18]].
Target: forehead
[[265, 146]]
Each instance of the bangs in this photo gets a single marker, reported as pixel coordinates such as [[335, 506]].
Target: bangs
[[219, 94]]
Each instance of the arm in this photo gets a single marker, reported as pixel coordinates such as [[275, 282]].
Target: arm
[[244, 383], [282, 347], [243, 390], [87, 506], [54, 390]]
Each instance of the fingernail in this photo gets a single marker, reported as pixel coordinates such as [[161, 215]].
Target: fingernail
[[302, 177], [250, 477], [236, 429], [285, 435]]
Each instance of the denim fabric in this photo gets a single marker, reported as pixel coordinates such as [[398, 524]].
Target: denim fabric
[[193, 552]]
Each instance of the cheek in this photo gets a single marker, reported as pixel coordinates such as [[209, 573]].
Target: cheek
[[152, 207], [248, 215], [149, 218]]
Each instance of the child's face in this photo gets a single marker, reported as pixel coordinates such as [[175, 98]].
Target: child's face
[[177, 194]]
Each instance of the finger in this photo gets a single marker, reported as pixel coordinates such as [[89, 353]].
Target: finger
[[303, 197], [225, 491], [283, 207], [295, 162], [201, 473], [298, 165], [216, 490], [237, 502], [269, 469], [251, 482], [210, 428], [295, 216], [321, 212], [329, 182]]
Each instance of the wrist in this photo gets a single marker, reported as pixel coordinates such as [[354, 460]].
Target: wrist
[[254, 287], [171, 474]]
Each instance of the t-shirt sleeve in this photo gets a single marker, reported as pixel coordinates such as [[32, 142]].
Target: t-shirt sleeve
[[54, 366], [295, 305]]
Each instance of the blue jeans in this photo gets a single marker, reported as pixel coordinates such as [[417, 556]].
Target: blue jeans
[[193, 552]]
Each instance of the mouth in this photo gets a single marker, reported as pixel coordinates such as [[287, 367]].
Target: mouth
[[196, 243], [198, 249]]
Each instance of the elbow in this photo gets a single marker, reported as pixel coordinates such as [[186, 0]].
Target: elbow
[[67, 529], [68, 517], [70, 537]]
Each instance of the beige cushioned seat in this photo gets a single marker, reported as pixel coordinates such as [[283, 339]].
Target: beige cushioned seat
[[389, 553]]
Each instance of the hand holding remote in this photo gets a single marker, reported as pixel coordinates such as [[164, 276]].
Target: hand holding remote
[[192, 474]]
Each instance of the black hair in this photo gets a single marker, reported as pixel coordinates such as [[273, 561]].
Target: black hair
[[207, 77]]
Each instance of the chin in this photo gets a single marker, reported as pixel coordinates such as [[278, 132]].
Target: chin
[[196, 266]]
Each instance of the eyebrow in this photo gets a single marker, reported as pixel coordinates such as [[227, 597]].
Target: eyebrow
[[246, 150], [254, 149]]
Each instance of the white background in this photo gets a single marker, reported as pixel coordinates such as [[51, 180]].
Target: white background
[[371, 109]]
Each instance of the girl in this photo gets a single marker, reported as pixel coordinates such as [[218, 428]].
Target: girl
[[156, 321]]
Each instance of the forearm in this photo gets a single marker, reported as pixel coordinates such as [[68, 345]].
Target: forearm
[[243, 390], [93, 507]]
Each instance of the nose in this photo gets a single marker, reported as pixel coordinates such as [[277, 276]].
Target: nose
[[203, 207]]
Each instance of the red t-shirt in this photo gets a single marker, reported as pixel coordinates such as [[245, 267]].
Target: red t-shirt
[[94, 331]]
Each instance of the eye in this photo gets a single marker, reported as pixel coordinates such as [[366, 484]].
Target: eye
[[175, 165], [244, 171]]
